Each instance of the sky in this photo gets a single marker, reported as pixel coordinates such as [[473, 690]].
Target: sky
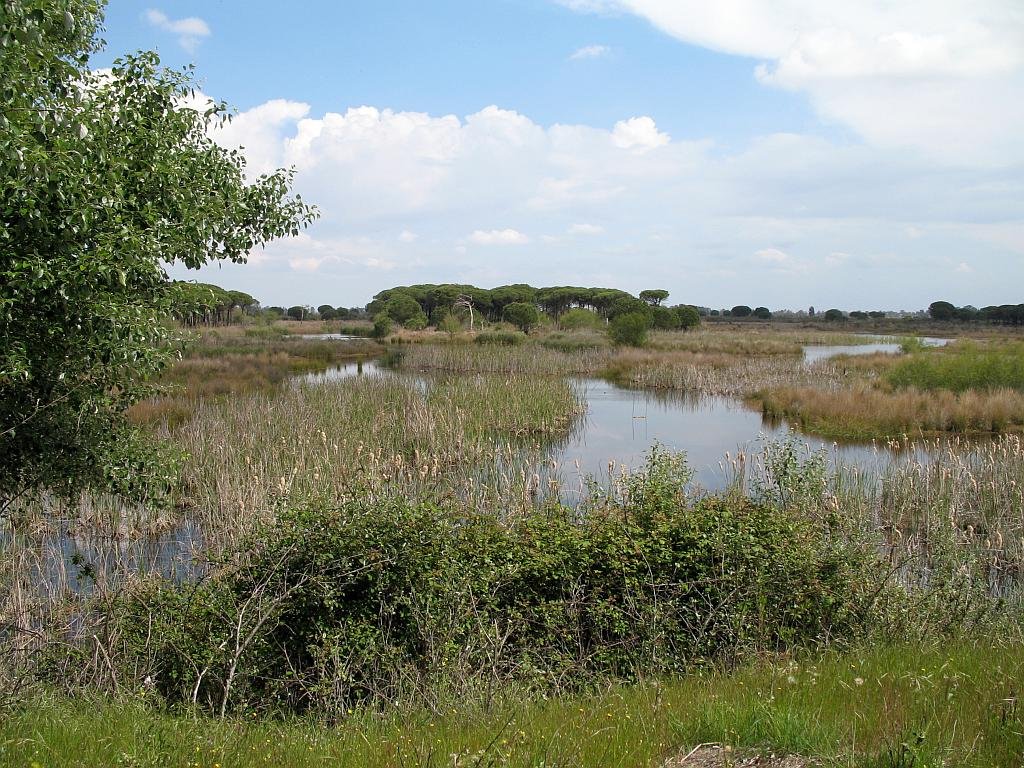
[[783, 153]]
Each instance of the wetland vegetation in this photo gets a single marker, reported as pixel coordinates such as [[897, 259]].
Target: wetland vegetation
[[220, 548]]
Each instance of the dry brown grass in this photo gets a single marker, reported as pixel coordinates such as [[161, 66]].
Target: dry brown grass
[[862, 411]]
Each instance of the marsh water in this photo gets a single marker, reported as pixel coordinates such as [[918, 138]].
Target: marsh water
[[621, 425]]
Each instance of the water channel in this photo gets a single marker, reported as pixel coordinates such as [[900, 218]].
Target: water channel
[[621, 425]]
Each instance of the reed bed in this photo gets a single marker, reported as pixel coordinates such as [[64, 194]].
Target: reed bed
[[474, 440], [522, 360], [947, 516], [863, 411], [733, 376]]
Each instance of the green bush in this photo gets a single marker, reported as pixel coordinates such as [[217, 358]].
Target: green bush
[[375, 601], [629, 329], [500, 338], [381, 326], [579, 318]]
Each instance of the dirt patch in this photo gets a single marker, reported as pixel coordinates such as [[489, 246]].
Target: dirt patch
[[717, 756]]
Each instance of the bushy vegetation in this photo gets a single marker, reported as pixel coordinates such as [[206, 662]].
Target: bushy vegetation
[[377, 602]]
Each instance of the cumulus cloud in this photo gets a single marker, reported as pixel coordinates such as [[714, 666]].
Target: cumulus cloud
[[945, 78], [590, 52], [767, 219], [498, 237], [190, 30], [639, 133]]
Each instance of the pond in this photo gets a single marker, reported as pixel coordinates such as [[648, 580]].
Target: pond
[[621, 425]]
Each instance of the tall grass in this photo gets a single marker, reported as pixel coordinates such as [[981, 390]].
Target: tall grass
[[862, 411], [963, 366], [463, 437]]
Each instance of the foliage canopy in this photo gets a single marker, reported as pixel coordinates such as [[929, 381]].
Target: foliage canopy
[[107, 178]]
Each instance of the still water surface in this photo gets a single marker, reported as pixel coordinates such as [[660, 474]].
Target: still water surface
[[621, 425]]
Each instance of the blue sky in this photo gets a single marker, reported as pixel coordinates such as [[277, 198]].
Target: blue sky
[[823, 154]]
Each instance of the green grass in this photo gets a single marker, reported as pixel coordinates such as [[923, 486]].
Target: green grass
[[955, 704], [962, 367]]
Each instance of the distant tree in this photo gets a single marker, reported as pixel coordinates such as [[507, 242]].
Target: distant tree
[[663, 318], [876, 314], [342, 313], [522, 315], [715, 313], [417, 322], [625, 305], [246, 303], [858, 315], [763, 313], [810, 312], [741, 310], [629, 329], [276, 311], [401, 307], [298, 312], [941, 310], [834, 314], [326, 312], [688, 316], [654, 297]]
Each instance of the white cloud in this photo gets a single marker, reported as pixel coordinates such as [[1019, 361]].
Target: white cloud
[[585, 229], [590, 52], [407, 237], [772, 256], [190, 31], [639, 133], [774, 214], [498, 237], [963, 268], [945, 78]]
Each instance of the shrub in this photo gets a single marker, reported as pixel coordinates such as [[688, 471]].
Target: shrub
[[629, 329], [372, 600], [381, 326], [579, 318]]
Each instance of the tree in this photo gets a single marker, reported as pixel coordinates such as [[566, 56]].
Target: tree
[[941, 310], [326, 312], [663, 318], [522, 315], [298, 312], [834, 314], [763, 313], [106, 178], [402, 307], [629, 329], [741, 310], [653, 297], [689, 317]]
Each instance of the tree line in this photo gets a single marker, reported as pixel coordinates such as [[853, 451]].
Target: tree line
[[522, 305], [1003, 314]]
